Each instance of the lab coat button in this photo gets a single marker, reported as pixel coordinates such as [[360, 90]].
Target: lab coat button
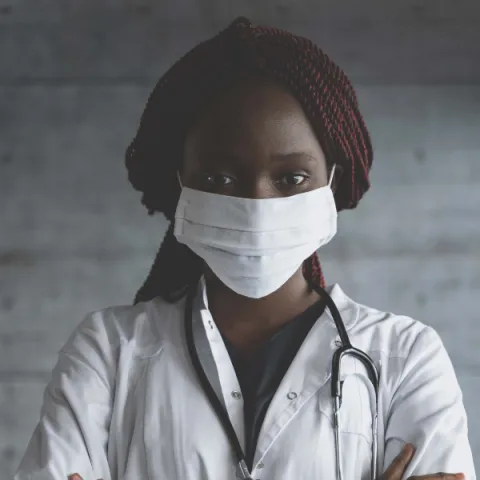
[[260, 465], [236, 395], [291, 395]]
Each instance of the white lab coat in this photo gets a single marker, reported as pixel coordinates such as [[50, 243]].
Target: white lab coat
[[124, 402]]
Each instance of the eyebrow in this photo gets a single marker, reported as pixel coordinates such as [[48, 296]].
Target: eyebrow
[[290, 155], [215, 155]]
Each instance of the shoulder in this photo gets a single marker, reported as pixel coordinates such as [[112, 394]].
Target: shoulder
[[392, 335], [142, 327], [408, 352]]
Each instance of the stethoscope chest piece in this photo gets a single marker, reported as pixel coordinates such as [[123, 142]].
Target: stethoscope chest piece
[[345, 349]]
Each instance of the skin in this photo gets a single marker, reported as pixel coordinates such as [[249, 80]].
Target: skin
[[254, 141]]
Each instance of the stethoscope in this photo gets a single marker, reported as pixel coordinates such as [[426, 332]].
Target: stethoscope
[[336, 391]]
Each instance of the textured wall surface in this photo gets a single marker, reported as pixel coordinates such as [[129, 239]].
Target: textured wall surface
[[74, 77]]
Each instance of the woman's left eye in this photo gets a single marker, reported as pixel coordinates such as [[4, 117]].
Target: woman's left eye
[[293, 179]]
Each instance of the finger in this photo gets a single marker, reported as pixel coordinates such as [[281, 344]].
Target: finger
[[76, 476], [440, 476], [397, 467]]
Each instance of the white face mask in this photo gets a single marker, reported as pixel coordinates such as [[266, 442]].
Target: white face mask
[[255, 245]]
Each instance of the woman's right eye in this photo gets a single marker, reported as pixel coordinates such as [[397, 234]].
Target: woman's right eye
[[218, 180]]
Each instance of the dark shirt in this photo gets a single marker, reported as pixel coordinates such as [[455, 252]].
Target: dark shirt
[[260, 376]]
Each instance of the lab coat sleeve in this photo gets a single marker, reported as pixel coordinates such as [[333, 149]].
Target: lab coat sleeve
[[427, 410], [72, 434]]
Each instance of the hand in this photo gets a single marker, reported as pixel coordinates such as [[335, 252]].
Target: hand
[[397, 468], [76, 476]]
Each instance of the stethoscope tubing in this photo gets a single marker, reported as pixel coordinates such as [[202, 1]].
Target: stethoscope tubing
[[336, 384]]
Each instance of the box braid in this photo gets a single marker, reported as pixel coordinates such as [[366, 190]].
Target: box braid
[[155, 154]]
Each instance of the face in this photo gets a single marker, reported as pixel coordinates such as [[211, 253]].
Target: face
[[254, 141]]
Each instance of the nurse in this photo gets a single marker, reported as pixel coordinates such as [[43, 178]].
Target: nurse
[[249, 145]]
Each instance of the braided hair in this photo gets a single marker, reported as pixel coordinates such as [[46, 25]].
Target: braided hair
[[155, 154]]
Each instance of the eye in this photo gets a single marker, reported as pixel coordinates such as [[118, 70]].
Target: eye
[[293, 179], [218, 180]]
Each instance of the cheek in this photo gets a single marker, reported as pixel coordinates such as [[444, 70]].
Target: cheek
[[324, 170], [318, 176], [209, 275], [321, 177]]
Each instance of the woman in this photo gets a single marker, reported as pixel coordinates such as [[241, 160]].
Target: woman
[[249, 145]]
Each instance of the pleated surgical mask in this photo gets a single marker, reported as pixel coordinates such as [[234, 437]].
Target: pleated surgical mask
[[254, 246]]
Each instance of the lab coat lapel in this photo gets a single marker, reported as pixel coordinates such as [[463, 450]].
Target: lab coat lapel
[[309, 372], [216, 362]]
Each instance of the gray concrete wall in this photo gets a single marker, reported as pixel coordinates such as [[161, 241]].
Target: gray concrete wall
[[74, 77]]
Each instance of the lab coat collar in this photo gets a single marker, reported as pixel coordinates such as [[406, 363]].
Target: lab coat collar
[[309, 371], [349, 310]]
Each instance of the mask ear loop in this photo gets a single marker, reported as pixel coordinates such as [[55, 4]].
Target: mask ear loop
[[331, 175], [179, 179]]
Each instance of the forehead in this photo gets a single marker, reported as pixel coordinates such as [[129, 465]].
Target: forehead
[[253, 117]]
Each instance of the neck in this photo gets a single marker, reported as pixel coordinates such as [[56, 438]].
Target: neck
[[232, 311]]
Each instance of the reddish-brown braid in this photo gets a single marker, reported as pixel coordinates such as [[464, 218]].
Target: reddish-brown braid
[[155, 154]]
